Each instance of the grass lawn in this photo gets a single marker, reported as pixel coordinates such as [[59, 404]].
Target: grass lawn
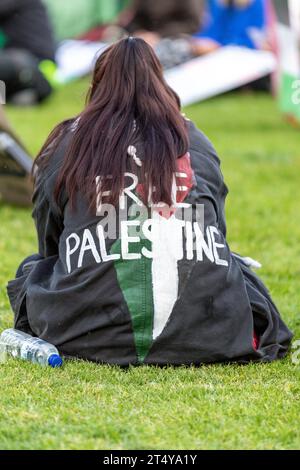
[[85, 406]]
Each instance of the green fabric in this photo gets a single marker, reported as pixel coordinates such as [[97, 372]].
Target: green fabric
[[2, 39], [71, 18], [287, 94], [49, 69], [135, 280]]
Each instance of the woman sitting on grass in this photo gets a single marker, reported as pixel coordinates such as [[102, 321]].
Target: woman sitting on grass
[[133, 264]]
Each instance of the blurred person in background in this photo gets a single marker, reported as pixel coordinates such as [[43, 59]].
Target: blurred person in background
[[166, 25], [27, 50], [157, 19], [233, 22], [170, 26]]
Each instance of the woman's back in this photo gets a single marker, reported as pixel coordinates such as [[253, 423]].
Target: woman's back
[[134, 265], [108, 268]]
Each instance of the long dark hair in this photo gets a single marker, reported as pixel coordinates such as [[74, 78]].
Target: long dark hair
[[128, 101]]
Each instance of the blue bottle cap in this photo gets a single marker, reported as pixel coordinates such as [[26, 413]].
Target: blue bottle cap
[[55, 360]]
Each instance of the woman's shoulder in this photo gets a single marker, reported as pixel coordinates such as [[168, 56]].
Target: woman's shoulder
[[51, 159], [200, 145], [205, 162]]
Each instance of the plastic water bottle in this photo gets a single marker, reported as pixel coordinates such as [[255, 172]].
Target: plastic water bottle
[[21, 345]]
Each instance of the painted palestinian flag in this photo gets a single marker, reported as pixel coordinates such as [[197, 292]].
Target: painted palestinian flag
[[150, 283]]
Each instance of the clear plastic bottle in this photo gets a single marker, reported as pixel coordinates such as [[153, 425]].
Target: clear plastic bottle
[[21, 345]]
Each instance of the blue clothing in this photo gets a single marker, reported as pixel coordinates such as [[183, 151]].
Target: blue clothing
[[232, 25]]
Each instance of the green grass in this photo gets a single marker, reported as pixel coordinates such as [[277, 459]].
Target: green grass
[[85, 406]]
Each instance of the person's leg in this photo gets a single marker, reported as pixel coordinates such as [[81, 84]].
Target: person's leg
[[19, 70], [27, 264], [15, 290]]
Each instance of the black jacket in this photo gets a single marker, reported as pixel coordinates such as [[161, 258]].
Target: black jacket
[[173, 296], [26, 25]]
